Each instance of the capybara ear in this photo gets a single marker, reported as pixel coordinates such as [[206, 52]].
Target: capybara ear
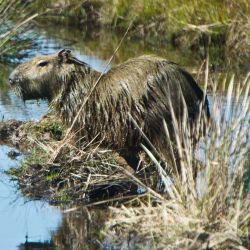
[[64, 55]]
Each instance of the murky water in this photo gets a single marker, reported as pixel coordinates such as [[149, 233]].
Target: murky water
[[35, 222]]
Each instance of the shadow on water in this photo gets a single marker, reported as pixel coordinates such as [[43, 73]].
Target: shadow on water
[[36, 245], [34, 224]]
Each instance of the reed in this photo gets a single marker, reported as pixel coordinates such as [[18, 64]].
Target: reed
[[207, 211]]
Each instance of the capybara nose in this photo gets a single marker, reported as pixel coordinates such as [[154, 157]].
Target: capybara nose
[[12, 79]]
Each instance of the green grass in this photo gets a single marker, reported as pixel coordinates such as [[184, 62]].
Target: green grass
[[175, 14], [51, 126], [186, 24]]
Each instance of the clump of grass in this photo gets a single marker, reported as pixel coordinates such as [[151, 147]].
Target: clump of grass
[[210, 211], [174, 15], [14, 19], [81, 173], [50, 125]]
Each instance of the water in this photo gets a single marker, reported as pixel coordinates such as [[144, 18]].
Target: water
[[20, 217]]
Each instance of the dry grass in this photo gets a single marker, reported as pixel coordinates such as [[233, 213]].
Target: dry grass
[[81, 172], [210, 212]]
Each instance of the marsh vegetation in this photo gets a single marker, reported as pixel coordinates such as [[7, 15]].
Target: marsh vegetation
[[152, 207]]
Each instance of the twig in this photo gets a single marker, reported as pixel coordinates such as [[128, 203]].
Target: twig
[[88, 96]]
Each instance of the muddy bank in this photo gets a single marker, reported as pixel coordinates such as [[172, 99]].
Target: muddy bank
[[22, 135], [9, 132], [83, 174]]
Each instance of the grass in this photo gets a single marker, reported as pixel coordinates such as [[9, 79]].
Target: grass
[[210, 212], [222, 25], [13, 37], [193, 24], [15, 22], [177, 12]]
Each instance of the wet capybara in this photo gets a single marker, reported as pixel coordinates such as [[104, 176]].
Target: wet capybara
[[131, 97]]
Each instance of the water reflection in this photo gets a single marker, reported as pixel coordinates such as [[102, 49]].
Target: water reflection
[[19, 217], [105, 43], [37, 246], [81, 230]]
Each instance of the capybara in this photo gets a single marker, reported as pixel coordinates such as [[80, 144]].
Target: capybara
[[131, 97]]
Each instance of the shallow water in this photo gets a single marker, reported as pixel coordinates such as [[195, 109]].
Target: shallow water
[[19, 217], [36, 222]]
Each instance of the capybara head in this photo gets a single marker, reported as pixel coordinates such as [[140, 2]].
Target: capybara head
[[42, 76]]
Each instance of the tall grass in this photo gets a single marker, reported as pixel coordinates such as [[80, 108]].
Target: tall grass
[[15, 24], [174, 15], [14, 19], [210, 211]]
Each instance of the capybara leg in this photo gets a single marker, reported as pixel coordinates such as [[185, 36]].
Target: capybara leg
[[129, 159]]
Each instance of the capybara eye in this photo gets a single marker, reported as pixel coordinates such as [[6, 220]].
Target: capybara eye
[[42, 63]]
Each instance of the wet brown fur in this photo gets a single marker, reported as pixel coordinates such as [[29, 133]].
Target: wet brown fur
[[141, 88]]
